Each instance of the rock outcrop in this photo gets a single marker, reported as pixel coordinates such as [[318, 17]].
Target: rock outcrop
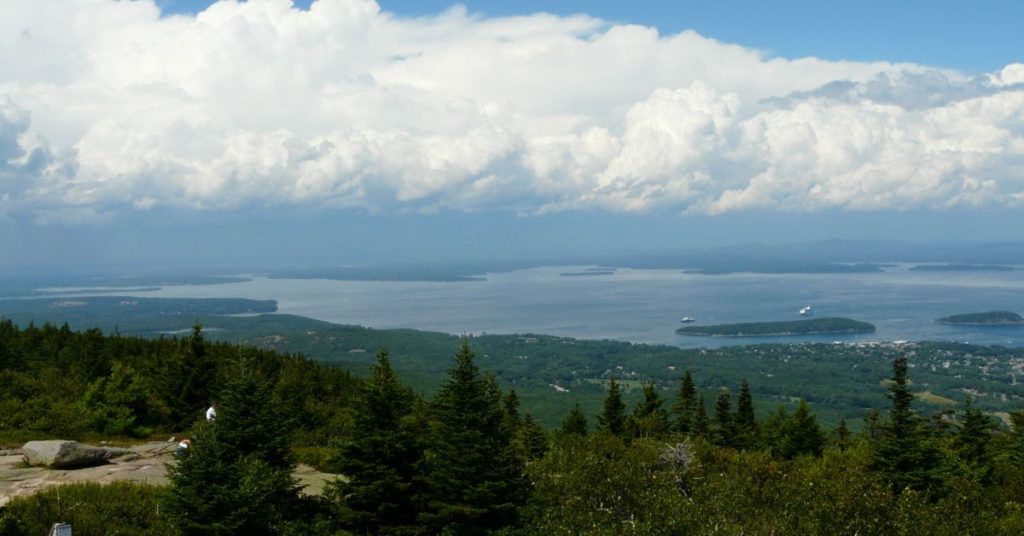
[[144, 464], [63, 454]]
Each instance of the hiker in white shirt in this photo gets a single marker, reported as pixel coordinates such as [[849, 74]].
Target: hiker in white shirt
[[211, 413]]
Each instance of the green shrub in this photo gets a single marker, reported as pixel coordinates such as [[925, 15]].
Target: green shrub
[[91, 508], [317, 457]]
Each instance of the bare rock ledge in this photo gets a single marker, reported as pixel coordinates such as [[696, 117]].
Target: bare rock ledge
[[63, 454]]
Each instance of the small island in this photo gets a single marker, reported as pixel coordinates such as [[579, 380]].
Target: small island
[[991, 318], [813, 326], [587, 273]]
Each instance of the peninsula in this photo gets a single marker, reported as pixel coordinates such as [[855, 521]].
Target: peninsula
[[991, 318], [813, 326]]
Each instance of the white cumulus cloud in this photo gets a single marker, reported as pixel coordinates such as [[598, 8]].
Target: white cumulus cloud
[[108, 105]]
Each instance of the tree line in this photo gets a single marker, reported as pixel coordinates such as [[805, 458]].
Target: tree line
[[55, 382]]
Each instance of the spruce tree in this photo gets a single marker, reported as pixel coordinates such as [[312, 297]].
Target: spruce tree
[[474, 480], [247, 423], [873, 425], [648, 418], [613, 417], [510, 407], [802, 434], [973, 438], [683, 409], [775, 430], [841, 435], [901, 452], [724, 428], [701, 427], [1016, 445], [576, 422], [745, 423], [531, 439], [236, 478], [193, 377], [380, 459]]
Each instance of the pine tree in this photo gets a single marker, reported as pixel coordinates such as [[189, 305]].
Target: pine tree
[[901, 452], [613, 416], [380, 460], [576, 422], [724, 428], [775, 430], [683, 409], [841, 435], [532, 440], [745, 423], [247, 423], [510, 407], [973, 438], [901, 415], [193, 378], [802, 434], [701, 427], [474, 480], [1016, 444], [236, 478], [648, 418], [873, 425]]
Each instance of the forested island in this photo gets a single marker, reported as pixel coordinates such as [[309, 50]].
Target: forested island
[[811, 326], [991, 318]]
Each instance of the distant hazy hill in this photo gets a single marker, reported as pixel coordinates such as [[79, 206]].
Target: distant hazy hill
[[961, 268]]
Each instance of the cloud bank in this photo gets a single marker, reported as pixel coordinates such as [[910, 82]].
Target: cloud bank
[[109, 106]]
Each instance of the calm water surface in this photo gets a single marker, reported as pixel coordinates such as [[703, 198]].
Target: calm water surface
[[646, 305]]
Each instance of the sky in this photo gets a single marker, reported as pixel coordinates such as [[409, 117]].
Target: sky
[[346, 131], [968, 36]]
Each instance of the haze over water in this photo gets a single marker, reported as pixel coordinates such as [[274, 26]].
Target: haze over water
[[646, 305]]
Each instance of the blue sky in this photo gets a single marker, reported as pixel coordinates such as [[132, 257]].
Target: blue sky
[[970, 36]]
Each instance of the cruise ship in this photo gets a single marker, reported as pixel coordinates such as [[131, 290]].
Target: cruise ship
[[687, 320], [806, 311]]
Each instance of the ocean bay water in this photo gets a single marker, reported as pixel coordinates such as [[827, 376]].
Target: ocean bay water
[[646, 305]]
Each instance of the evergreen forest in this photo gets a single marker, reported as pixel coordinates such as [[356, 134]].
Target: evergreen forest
[[469, 459]]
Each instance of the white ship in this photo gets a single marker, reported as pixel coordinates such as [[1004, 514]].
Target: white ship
[[687, 320], [806, 311]]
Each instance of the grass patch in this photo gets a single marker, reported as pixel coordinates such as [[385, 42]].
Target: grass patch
[[932, 398], [887, 382], [624, 385]]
